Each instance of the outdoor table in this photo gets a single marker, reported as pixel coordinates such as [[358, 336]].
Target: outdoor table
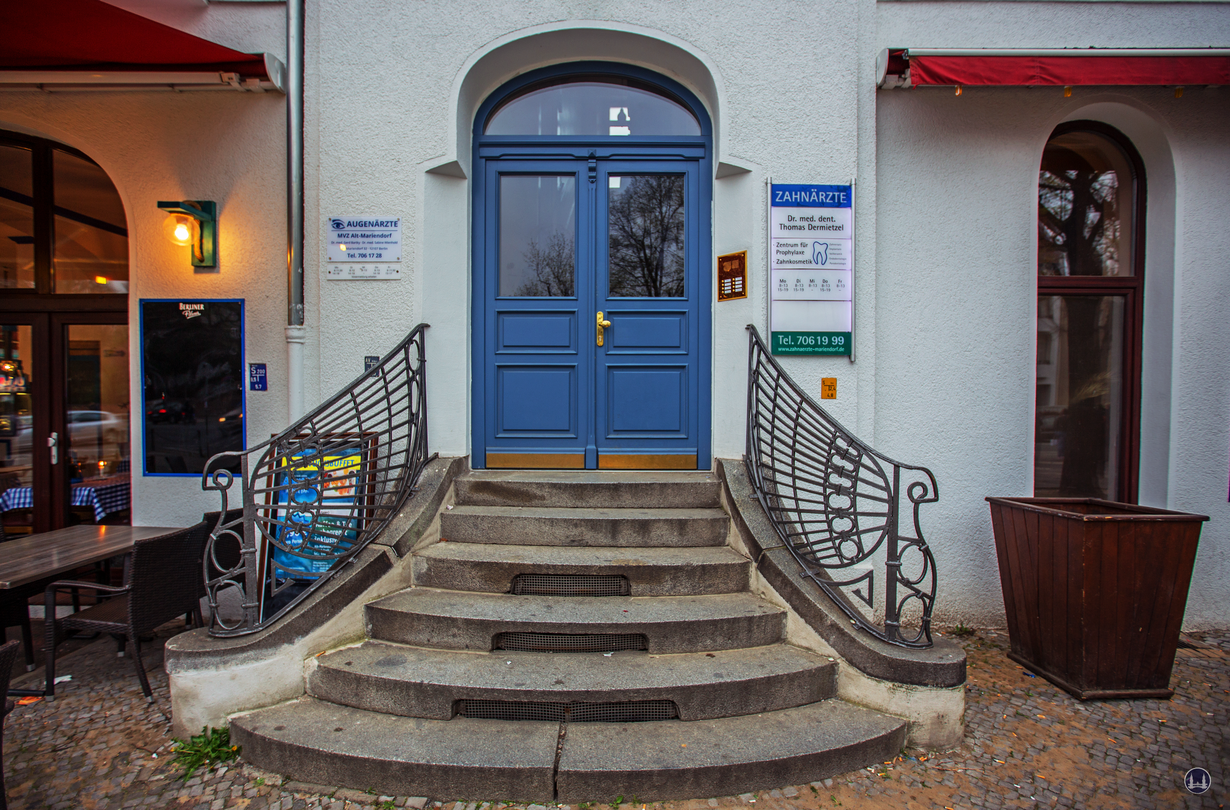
[[62, 551], [103, 495]]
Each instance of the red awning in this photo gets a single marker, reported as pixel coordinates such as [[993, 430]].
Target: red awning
[[1188, 67], [92, 42]]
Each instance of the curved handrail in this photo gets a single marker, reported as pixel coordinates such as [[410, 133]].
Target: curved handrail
[[316, 494], [835, 503]]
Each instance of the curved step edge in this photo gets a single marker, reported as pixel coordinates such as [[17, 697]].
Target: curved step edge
[[325, 744], [723, 757], [414, 682]]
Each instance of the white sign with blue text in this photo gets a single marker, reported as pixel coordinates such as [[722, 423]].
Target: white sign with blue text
[[366, 244], [811, 269]]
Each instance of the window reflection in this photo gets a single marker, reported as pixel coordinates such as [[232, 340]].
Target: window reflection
[[596, 107], [16, 218], [646, 235], [1080, 396], [537, 236], [91, 231], [1084, 208]]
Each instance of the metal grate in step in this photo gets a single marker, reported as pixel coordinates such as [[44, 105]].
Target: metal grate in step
[[570, 642], [635, 711], [570, 585]]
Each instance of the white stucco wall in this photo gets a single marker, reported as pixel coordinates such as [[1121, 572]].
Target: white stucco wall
[[956, 299], [227, 147], [946, 195]]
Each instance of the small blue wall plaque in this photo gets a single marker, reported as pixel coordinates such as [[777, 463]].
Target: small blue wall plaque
[[258, 377], [370, 362]]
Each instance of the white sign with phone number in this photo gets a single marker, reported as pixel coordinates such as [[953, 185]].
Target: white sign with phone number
[[367, 239]]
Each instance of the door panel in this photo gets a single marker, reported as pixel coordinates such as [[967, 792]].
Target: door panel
[[568, 243]]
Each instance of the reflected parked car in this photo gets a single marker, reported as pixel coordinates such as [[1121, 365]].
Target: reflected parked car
[[89, 427]]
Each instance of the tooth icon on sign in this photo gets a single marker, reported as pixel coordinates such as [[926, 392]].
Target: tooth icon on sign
[[820, 253]]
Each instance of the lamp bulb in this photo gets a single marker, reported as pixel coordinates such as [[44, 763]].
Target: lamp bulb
[[178, 228]]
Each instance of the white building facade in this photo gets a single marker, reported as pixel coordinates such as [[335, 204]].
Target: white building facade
[[956, 364]]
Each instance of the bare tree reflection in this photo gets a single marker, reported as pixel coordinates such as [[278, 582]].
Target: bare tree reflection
[[646, 223], [552, 269], [1079, 235]]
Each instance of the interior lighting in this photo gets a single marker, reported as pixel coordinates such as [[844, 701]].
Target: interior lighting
[[1067, 91], [958, 91], [193, 223]]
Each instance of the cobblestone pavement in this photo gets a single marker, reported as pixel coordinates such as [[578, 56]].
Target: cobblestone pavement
[[100, 744]]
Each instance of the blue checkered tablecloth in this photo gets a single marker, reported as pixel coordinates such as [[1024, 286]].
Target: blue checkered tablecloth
[[104, 495]]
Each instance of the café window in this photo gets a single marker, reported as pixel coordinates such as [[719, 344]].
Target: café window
[[1090, 289], [62, 224]]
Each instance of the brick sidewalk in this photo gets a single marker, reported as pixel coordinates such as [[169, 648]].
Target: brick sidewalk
[[100, 744]]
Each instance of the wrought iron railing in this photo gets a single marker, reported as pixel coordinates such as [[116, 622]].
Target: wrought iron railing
[[314, 495], [837, 505]]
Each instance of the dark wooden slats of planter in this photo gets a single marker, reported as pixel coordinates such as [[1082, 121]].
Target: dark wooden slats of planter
[[1094, 591]]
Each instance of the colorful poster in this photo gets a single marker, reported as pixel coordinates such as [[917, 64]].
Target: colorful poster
[[321, 494]]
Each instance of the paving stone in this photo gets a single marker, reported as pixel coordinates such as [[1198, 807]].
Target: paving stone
[[100, 745]]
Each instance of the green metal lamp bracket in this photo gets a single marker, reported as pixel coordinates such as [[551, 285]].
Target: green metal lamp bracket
[[205, 212]]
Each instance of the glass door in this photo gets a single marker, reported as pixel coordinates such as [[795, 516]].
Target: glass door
[[64, 421]]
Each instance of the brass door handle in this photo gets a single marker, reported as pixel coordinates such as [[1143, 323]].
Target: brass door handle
[[601, 325]]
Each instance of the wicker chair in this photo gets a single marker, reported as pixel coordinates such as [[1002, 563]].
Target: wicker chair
[[8, 654], [160, 583]]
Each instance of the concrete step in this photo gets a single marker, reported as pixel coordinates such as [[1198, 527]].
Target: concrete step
[[323, 743], [553, 488], [327, 744], [551, 526], [722, 757], [491, 568], [456, 620], [417, 682]]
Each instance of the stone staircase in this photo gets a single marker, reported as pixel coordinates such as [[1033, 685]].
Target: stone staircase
[[573, 637]]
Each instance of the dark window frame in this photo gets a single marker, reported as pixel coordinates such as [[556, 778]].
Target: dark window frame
[[43, 297], [1131, 287]]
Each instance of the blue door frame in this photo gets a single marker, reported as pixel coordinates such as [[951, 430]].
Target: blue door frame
[[545, 394]]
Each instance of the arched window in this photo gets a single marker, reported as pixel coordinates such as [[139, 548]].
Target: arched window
[[64, 381], [1090, 289], [62, 225], [594, 105]]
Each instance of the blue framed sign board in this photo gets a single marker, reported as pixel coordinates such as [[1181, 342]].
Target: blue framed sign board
[[811, 269], [194, 378]]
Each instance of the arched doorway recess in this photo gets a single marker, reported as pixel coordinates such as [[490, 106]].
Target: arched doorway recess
[[592, 189]]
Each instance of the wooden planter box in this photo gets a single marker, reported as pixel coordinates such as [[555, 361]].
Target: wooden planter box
[[1095, 591]]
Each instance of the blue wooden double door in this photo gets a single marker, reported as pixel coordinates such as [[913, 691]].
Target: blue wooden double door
[[592, 317]]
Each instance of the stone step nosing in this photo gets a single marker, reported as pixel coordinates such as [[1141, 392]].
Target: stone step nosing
[[455, 620], [585, 527], [609, 489], [490, 568], [413, 682], [314, 741]]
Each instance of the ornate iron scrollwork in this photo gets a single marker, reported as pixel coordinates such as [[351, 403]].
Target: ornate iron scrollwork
[[836, 504], [314, 495]]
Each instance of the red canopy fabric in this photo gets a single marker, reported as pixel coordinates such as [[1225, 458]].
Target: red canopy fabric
[[997, 68], [90, 35]]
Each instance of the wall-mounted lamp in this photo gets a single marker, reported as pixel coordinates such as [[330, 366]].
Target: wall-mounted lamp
[[195, 223]]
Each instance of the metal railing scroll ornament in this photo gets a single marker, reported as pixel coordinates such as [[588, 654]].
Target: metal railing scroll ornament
[[837, 505], [304, 503]]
